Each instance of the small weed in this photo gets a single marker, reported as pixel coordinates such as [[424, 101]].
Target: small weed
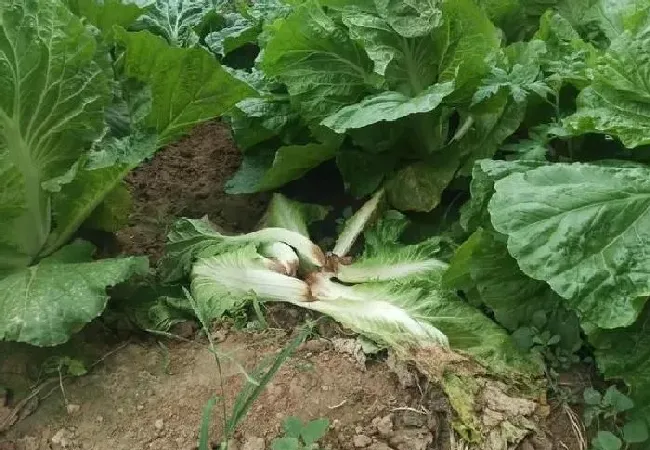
[[560, 353], [165, 363], [301, 436], [608, 414], [256, 382]]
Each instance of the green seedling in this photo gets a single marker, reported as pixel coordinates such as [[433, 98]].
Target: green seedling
[[609, 413], [301, 436]]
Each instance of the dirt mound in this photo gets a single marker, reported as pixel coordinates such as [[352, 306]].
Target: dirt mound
[[187, 179], [143, 397]]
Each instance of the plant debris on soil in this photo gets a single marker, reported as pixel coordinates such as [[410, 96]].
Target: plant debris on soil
[[150, 394]]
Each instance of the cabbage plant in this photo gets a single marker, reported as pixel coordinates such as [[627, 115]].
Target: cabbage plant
[[83, 101], [386, 290], [390, 292]]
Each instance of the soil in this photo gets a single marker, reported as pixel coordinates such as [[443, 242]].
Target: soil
[[149, 393], [187, 179]]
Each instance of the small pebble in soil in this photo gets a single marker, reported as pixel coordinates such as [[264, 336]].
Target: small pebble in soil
[[361, 441], [379, 446], [72, 408], [383, 425], [412, 419], [99, 419], [139, 407], [314, 346], [411, 439], [159, 424], [61, 438], [253, 443]]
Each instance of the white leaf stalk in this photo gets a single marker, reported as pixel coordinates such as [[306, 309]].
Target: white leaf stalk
[[356, 224]]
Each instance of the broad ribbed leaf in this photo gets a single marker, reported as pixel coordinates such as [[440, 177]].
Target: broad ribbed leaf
[[411, 59], [515, 299], [188, 86], [618, 101], [45, 304], [264, 171], [474, 213], [175, 20], [321, 66], [51, 109], [584, 230], [387, 107], [612, 15]]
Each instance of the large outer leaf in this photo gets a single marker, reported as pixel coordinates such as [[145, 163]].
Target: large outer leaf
[[45, 304], [188, 86], [322, 67], [78, 199], [484, 174], [585, 231], [618, 102], [51, 108], [175, 20], [514, 298], [612, 15]]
